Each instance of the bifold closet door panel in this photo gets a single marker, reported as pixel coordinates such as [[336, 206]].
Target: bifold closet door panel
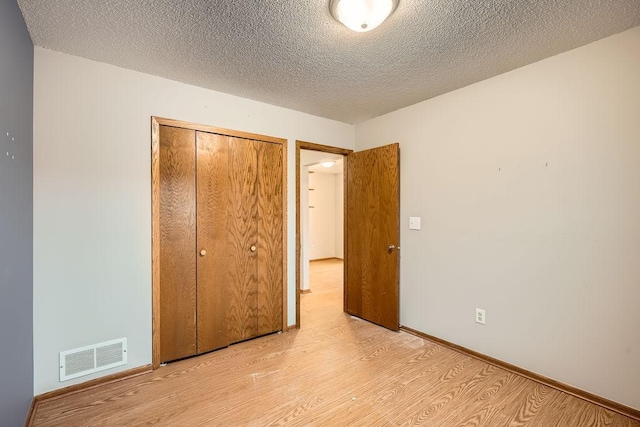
[[212, 240], [177, 243], [270, 244], [242, 229]]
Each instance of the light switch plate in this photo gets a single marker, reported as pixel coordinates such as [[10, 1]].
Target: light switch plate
[[414, 223]]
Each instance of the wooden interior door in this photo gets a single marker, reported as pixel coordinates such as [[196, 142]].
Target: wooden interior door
[[240, 240], [270, 237], [177, 208], [372, 277], [242, 245], [212, 240]]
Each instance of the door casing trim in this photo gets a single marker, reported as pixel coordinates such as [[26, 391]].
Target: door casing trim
[[304, 145]]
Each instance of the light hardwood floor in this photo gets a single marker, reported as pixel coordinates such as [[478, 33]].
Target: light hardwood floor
[[335, 371]]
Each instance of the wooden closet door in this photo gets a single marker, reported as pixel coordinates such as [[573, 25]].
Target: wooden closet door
[[218, 230], [213, 255], [242, 229], [270, 245], [177, 243]]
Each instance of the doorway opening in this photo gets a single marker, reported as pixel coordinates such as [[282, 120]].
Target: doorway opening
[[320, 201], [371, 225]]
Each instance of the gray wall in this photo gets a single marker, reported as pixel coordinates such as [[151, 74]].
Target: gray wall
[[16, 216]]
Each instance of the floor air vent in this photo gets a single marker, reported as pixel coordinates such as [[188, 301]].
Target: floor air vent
[[93, 358]]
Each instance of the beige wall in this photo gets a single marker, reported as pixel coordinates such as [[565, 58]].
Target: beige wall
[[326, 225], [339, 214], [322, 217], [528, 185], [304, 224], [92, 197]]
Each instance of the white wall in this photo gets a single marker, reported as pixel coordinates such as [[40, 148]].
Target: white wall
[[339, 215], [322, 218], [304, 226], [326, 225], [528, 186], [92, 197]]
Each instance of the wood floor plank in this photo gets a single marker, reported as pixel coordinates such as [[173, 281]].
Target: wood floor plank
[[572, 412], [336, 371]]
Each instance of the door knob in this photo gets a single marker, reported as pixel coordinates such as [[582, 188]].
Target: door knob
[[203, 252], [253, 248], [391, 248]]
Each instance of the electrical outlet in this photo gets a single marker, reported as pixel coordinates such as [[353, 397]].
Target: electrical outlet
[[481, 316]]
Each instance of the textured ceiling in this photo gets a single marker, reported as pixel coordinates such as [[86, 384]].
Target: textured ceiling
[[293, 54]]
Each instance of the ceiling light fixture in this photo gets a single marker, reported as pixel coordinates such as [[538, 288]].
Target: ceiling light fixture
[[327, 164], [362, 15]]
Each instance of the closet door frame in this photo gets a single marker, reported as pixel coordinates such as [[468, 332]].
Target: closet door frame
[[156, 122]]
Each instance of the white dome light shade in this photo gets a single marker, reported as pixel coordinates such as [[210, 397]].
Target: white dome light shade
[[327, 164], [362, 15]]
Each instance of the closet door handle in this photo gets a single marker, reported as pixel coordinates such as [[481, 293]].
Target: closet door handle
[[203, 252], [253, 248]]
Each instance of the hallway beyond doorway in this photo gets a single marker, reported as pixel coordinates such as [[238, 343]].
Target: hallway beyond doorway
[[326, 285]]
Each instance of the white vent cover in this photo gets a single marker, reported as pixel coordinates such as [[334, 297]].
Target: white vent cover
[[92, 358]]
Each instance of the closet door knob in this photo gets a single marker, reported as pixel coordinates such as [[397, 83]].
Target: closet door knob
[[203, 252], [253, 248]]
